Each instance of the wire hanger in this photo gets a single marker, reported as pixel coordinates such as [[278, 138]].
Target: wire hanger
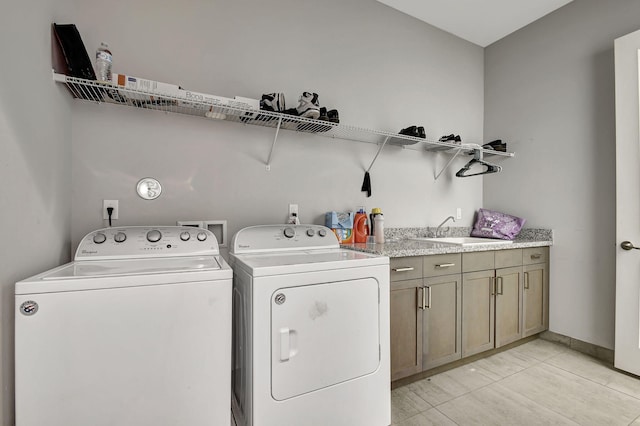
[[477, 159]]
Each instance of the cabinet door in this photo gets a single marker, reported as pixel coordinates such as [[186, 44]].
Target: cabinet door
[[508, 305], [441, 320], [406, 328], [478, 312], [535, 302]]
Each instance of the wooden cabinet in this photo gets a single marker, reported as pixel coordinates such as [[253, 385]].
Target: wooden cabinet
[[425, 313], [406, 316], [478, 312], [491, 300], [406, 328], [508, 289], [449, 306], [535, 300], [442, 301]]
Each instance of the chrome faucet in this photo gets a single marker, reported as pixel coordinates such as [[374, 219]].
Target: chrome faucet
[[442, 232]]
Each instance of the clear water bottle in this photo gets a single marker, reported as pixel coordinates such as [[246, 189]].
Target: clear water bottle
[[103, 63]]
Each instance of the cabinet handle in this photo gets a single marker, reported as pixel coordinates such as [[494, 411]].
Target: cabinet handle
[[493, 286], [445, 265], [402, 269], [501, 285], [429, 298], [421, 300], [526, 281], [536, 256]]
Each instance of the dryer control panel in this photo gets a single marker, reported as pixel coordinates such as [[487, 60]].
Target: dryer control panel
[[147, 241], [256, 239]]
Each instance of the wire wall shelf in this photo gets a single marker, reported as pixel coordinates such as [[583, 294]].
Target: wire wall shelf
[[94, 91]]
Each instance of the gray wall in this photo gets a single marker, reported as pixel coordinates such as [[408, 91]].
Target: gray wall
[[381, 69], [549, 92], [35, 164]]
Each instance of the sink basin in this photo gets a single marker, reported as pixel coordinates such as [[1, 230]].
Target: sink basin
[[463, 241]]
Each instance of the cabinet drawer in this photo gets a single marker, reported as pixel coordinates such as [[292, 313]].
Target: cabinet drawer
[[534, 255], [508, 258], [477, 261], [442, 264], [405, 268]]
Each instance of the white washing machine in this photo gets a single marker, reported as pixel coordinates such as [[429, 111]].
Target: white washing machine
[[311, 330], [136, 331]]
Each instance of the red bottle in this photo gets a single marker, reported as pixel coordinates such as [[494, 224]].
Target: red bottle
[[360, 228]]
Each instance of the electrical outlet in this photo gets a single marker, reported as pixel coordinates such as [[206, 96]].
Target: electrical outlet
[[458, 213], [110, 203], [294, 217], [293, 209]]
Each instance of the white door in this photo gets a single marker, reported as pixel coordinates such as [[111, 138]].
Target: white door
[[627, 342], [323, 335]]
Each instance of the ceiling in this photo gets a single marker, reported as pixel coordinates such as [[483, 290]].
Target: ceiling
[[479, 21]]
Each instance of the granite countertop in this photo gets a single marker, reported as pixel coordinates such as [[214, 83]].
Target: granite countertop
[[398, 244]]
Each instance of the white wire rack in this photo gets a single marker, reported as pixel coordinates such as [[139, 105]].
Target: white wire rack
[[91, 90]]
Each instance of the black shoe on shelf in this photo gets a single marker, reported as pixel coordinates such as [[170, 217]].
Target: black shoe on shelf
[[272, 102], [496, 145], [323, 114], [410, 131], [451, 138], [333, 116]]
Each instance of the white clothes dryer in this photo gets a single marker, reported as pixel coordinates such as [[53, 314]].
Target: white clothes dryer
[[135, 331], [311, 330]]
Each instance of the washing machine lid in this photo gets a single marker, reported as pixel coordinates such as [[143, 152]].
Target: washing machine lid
[[127, 267], [289, 262], [99, 274]]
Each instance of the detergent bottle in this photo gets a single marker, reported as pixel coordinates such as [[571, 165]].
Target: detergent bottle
[[377, 225], [360, 228]]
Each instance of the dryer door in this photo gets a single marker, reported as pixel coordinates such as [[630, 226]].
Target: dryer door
[[322, 335]]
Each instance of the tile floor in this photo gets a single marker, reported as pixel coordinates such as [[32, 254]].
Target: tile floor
[[538, 383]]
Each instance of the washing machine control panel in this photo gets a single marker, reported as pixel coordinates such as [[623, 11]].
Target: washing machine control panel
[[145, 241], [283, 237]]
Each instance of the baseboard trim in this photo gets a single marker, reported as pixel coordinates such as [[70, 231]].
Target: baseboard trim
[[598, 352]]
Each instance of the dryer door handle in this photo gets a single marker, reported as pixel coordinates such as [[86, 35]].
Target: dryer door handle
[[287, 344]]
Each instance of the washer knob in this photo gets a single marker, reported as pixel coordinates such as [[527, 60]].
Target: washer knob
[[322, 232], [120, 237], [154, 236], [311, 232], [289, 232], [202, 236], [184, 236], [99, 238]]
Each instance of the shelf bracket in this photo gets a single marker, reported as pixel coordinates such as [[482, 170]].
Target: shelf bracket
[[458, 151], [378, 153], [273, 144]]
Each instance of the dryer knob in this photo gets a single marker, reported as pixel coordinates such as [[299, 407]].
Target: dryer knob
[[99, 238], [289, 232], [311, 232], [120, 237], [184, 236], [202, 236], [322, 232], [154, 236]]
